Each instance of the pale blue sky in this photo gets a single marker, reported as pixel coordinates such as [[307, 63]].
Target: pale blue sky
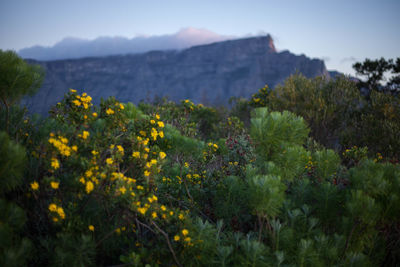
[[337, 31]]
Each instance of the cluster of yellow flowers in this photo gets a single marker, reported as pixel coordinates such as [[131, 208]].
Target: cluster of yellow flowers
[[105, 169], [310, 164], [84, 135], [207, 154], [56, 210], [192, 178], [378, 158], [190, 106], [61, 144], [83, 100], [118, 107], [184, 236], [260, 97], [213, 146], [89, 179], [143, 150]]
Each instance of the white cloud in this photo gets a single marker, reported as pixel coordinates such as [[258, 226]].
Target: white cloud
[[76, 48]]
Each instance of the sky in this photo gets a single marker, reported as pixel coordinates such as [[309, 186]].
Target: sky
[[339, 32]]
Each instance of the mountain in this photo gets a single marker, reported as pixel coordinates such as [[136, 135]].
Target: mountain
[[208, 74], [70, 48]]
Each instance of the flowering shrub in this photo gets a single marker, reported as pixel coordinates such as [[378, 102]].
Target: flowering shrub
[[115, 184]]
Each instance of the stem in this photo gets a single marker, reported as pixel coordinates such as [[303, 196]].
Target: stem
[[260, 226], [7, 112], [348, 239], [169, 243]]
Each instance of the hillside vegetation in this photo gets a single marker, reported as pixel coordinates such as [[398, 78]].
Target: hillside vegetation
[[305, 175]]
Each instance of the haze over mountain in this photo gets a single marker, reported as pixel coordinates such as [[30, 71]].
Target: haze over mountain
[[70, 47], [208, 74]]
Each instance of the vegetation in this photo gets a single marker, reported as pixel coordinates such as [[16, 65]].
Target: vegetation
[[279, 180], [375, 71], [17, 78]]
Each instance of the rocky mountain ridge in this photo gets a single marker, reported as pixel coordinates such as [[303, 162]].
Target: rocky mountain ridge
[[208, 74]]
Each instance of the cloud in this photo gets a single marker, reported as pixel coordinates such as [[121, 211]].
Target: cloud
[[348, 60], [326, 59], [77, 48]]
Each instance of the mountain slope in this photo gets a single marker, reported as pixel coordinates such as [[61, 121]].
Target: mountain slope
[[209, 74]]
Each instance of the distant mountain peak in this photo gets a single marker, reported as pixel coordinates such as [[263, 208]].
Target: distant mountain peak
[[271, 44]]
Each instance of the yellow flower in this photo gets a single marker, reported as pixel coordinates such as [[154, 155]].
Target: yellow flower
[[91, 228], [52, 207], [157, 116], [153, 162], [122, 190], [176, 238], [72, 90], [85, 135], [160, 124], [146, 173], [109, 111], [120, 149], [186, 165], [185, 232], [76, 102], [74, 148], [60, 212], [55, 164], [121, 106], [154, 133], [136, 154], [181, 217], [88, 173], [34, 185], [161, 134], [109, 161], [54, 185], [94, 114], [154, 215], [152, 121], [187, 239], [142, 133], [162, 155], [82, 180], [89, 187], [163, 208], [142, 210]]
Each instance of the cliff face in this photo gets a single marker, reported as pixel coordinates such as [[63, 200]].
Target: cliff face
[[208, 74]]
